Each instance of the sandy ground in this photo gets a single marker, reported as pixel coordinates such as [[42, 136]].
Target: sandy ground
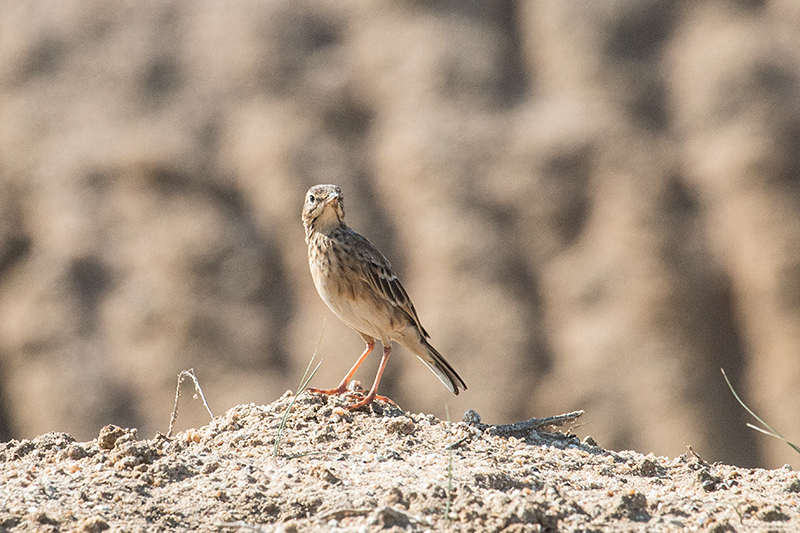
[[375, 469]]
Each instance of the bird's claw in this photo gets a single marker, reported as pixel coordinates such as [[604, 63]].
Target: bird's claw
[[366, 399], [363, 397]]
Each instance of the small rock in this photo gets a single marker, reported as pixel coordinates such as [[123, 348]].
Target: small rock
[[388, 517], [721, 527], [401, 425], [110, 434], [395, 497], [772, 514], [589, 441], [22, 449], [289, 527], [93, 524], [471, 417], [707, 480], [325, 474], [75, 451], [633, 506], [210, 466], [326, 434], [792, 486], [647, 467], [42, 518]]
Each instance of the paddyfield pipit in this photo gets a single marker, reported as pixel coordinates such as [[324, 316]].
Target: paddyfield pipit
[[357, 282]]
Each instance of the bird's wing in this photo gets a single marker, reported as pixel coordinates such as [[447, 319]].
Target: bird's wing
[[380, 277]]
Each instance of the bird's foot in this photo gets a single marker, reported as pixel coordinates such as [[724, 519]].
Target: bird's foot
[[366, 400], [354, 390], [329, 392], [344, 387]]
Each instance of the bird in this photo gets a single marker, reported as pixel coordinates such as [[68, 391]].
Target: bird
[[358, 284]]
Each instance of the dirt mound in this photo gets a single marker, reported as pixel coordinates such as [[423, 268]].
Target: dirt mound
[[370, 470], [590, 203]]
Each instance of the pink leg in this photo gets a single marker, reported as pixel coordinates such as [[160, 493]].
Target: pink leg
[[342, 388], [373, 392]]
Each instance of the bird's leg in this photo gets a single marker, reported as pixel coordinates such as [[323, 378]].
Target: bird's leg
[[342, 388], [373, 392]]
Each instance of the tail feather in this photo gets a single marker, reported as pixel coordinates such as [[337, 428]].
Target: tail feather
[[441, 368]]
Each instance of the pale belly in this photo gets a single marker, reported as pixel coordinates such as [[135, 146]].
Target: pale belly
[[359, 309]]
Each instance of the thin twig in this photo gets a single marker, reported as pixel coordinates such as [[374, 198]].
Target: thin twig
[[174, 417], [524, 428], [338, 514], [695, 454], [458, 443], [304, 454]]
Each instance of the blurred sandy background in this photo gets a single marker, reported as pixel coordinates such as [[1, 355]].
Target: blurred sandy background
[[594, 205]]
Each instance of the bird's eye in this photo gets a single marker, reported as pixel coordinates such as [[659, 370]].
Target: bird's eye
[[311, 198]]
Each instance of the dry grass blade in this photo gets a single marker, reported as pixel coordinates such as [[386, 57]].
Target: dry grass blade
[[182, 376], [449, 473], [770, 430], [303, 384]]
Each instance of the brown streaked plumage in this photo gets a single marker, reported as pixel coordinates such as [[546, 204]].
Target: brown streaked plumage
[[357, 282]]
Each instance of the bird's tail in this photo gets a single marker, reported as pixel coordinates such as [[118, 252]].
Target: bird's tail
[[441, 367]]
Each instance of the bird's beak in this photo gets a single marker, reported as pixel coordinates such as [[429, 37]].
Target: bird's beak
[[333, 199]]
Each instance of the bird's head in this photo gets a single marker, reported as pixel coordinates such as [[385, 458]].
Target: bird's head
[[323, 208]]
